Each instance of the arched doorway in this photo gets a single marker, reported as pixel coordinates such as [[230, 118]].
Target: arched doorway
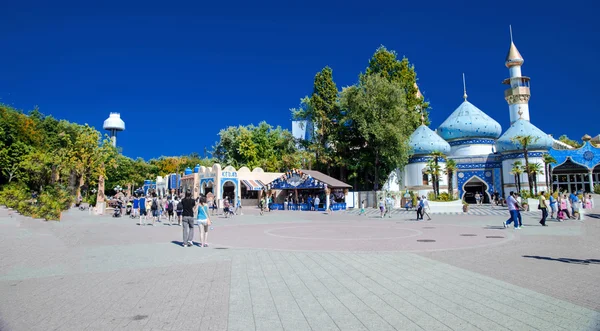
[[229, 190], [207, 188], [571, 177], [473, 186]]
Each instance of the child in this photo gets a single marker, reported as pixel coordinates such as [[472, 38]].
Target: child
[[203, 221], [362, 208]]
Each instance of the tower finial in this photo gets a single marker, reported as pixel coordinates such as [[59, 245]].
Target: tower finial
[[464, 87], [511, 37]]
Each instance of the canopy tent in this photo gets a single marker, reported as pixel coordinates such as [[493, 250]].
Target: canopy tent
[[253, 185]]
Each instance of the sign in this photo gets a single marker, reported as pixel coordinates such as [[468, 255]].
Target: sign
[[229, 174], [294, 180], [207, 175]]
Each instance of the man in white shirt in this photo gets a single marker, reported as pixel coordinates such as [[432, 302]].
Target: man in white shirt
[[513, 208], [426, 207]]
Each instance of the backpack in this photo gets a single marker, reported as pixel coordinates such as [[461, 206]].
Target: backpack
[[180, 206], [154, 205], [170, 206]]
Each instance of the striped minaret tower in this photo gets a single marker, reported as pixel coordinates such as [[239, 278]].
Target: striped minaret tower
[[517, 95]]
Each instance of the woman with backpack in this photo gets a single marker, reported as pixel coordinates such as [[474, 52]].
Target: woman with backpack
[[203, 221], [170, 209], [179, 209]]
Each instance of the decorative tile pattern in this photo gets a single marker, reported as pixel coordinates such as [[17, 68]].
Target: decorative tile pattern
[[587, 156], [425, 141], [523, 128], [464, 176], [472, 142], [468, 121], [521, 155], [487, 165]]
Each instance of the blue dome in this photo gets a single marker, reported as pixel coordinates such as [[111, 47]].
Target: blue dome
[[424, 141], [187, 171], [468, 121], [523, 128], [197, 169]]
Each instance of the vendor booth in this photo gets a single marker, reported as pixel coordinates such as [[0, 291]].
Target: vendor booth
[[306, 190]]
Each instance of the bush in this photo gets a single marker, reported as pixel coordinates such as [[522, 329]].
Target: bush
[[597, 188], [50, 203], [443, 197]]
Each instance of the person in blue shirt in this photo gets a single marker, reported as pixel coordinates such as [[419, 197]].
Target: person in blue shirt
[[552, 206], [136, 206], [143, 211], [573, 199]]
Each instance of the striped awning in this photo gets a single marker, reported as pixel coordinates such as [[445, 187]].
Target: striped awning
[[253, 185]]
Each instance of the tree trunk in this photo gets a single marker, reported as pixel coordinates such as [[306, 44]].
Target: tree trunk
[[529, 177], [550, 179], [376, 184], [450, 184], [546, 165]]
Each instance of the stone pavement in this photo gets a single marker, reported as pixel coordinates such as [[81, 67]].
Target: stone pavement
[[300, 271]]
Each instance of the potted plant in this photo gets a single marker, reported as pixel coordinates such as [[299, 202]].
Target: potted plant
[[465, 207]]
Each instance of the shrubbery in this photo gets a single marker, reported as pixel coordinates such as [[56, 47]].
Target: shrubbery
[[597, 188], [443, 197], [48, 205]]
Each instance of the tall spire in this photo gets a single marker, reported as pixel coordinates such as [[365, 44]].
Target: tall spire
[[464, 88], [513, 58]]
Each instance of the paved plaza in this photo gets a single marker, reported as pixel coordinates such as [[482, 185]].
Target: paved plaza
[[289, 270]]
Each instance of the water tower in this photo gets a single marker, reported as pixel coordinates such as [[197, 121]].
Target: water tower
[[114, 123]]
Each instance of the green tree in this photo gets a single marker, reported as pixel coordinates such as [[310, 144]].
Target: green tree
[[433, 169], [376, 109], [450, 170], [386, 64], [524, 142], [548, 161], [436, 156], [570, 142], [534, 169], [323, 111], [517, 170]]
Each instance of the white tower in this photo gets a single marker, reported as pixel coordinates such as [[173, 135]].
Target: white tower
[[517, 95], [114, 123]]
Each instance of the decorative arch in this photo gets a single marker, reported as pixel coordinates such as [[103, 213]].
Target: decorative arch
[[488, 187]]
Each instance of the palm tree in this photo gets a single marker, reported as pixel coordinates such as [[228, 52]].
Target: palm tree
[[525, 141], [548, 161], [534, 169], [433, 169], [436, 175], [517, 170], [450, 170]]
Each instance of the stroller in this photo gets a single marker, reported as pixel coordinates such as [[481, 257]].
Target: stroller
[[118, 212], [129, 208]]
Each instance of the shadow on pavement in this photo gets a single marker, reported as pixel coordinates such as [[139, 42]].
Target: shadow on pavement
[[564, 260]]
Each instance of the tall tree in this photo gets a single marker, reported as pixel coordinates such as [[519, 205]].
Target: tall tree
[[323, 111], [534, 169], [517, 170], [386, 64], [376, 109], [450, 170], [525, 141], [548, 161], [436, 157]]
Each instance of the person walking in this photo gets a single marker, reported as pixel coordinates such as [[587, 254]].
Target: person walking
[[543, 206], [155, 208], [170, 210], [362, 208], [381, 207], [317, 201], [189, 208], [425, 208], [179, 210], [238, 206], [143, 210], [553, 210], [203, 221], [513, 209], [419, 209], [136, 206]]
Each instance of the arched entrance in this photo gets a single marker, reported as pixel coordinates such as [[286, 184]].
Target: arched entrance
[[229, 190], [207, 188], [473, 186], [571, 177]]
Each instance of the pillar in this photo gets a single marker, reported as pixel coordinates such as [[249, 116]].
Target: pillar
[[591, 179]]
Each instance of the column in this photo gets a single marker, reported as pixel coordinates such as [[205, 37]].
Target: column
[[591, 174]]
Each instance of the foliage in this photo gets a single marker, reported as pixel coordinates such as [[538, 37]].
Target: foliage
[[322, 109], [597, 188], [517, 170], [272, 149], [450, 170], [534, 169], [524, 142], [442, 197], [548, 160], [570, 142], [376, 111], [49, 205]]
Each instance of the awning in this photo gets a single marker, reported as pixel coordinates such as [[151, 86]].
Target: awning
[[253, 185]]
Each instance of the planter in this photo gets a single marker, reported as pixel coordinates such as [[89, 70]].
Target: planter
[[465, 208], [446, 206]]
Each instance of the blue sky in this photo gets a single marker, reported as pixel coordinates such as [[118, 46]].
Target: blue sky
[[178, 72]]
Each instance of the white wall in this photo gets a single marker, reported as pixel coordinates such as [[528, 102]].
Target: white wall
[[472, 150], [509, 179]]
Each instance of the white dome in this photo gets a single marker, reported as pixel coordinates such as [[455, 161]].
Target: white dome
[[114, 122]]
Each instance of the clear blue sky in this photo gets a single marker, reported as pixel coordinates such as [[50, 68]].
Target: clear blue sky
[[180, 72]]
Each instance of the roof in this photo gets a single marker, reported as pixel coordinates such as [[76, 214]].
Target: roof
[[330, 181], [523, 128], [425, 141], [513, 57], [468, 121]]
